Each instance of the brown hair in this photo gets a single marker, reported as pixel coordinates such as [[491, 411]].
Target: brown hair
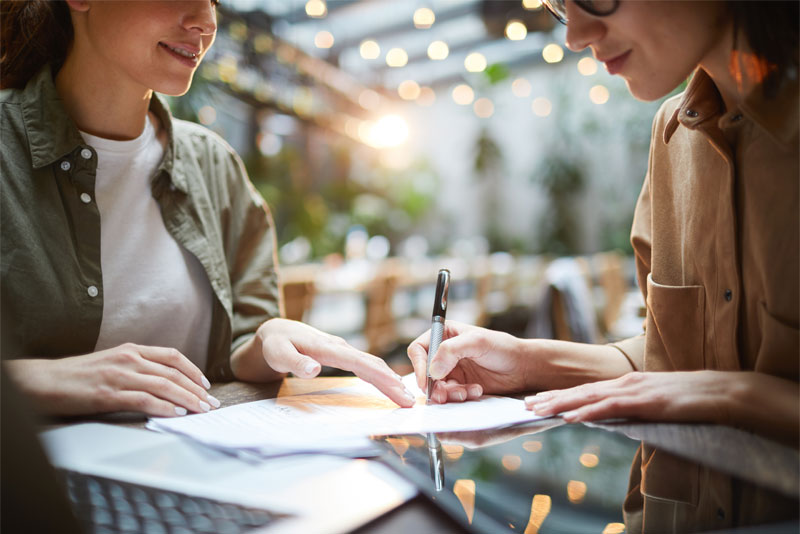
[[771, 30], [33, 33]]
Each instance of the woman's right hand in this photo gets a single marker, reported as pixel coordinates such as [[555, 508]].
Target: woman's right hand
[[470, 361], [154, 380]]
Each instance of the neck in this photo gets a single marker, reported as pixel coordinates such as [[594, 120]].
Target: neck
[[730, 68], [100, 103]]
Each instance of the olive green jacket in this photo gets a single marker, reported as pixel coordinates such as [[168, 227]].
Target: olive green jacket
[[52, 282]]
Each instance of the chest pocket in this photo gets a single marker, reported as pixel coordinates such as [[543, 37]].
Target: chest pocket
[[675, 327]]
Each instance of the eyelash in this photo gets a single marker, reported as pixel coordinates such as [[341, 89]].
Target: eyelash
[[214, 3]]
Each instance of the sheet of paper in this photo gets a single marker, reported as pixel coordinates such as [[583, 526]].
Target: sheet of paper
[[337, 420]]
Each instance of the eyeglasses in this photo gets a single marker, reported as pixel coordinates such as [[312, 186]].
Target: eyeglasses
[[598, 8]]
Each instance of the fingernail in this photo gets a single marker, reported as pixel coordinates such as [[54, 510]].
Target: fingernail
[[213, 401], [541, 407], [460, 395], [570, 416], [475, 391], [204, 406], [180, 410], [206, 383], [311, 369]]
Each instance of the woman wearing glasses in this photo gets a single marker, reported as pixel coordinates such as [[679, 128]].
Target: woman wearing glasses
[[715, 232], [136, 256]]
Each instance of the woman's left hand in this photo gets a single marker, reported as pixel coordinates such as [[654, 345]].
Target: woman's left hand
[[707, 396]]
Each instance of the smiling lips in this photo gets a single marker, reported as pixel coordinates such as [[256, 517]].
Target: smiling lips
[[189, 57], [615, 64]]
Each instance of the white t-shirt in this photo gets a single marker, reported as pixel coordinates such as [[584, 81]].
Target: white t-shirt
[[154, 291]]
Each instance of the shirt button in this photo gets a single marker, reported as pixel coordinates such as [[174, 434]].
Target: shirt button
[[692, 113], [86, 153], [65, 166], [86, 198], [92, 290], [728, 295]]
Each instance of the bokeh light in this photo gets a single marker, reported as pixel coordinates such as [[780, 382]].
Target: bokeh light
[[438, 50], [521, 87], [576, 491], [369, 99], [516, 30], [587, 66], [369, 49], [541, 106], [552, 53], [598, 94], [424, 18], [207, 115], [475, 62], [388, 131], [463, 95], [483, 108], [323, 39], [532, 5], [316, 8], [408, 90], [396, 57]]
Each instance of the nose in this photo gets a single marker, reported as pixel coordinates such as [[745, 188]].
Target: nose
[[583, 29], [201, 16]]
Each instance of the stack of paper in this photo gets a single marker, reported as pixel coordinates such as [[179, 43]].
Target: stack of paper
[[338, 420]]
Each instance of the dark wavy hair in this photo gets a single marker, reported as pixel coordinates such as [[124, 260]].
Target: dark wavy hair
[[771, 30], [33, 33]]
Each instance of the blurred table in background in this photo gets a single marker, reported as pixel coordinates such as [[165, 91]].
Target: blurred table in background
[[380, 307]]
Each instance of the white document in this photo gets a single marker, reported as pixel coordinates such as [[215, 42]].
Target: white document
[[337, 420]]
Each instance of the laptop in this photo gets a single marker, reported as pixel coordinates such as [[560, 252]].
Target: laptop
[[120, 479]]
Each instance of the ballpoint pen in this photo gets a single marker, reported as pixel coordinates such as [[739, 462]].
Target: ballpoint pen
[[437, 325]]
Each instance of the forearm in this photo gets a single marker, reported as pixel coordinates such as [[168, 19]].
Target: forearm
[[767, 405], [248, 363], [554, 364]]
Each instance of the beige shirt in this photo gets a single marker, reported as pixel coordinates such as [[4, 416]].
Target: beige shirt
[[715, 234]]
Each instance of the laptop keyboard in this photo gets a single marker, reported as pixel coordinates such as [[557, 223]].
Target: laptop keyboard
[[107, 506]]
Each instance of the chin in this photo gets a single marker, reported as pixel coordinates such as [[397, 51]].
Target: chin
[[648, 92], [174, 88]]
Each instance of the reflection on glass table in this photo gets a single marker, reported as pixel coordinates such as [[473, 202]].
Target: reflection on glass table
[[548, 477]]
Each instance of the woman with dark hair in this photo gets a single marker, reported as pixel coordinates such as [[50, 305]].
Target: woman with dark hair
[[136, 256], [715, 232]]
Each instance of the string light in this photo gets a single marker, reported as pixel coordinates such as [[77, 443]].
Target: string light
[[323, 39], [475, 62], [598, 94], [396, 57], [369, 49], [516, 30], [316, 8], [424, 18], [587, 66], [553, 53], [463, 95], [438, 50]]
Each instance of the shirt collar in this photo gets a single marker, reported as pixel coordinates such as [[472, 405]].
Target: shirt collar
[[701, 102], [171, 163], [51, 132]]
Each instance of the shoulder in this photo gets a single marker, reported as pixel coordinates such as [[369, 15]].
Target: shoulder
[[194, 140]]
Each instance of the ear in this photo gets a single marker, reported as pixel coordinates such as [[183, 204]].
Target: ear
[[78, 5]]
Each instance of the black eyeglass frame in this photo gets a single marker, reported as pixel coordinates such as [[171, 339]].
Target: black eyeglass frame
[[586, 5]]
